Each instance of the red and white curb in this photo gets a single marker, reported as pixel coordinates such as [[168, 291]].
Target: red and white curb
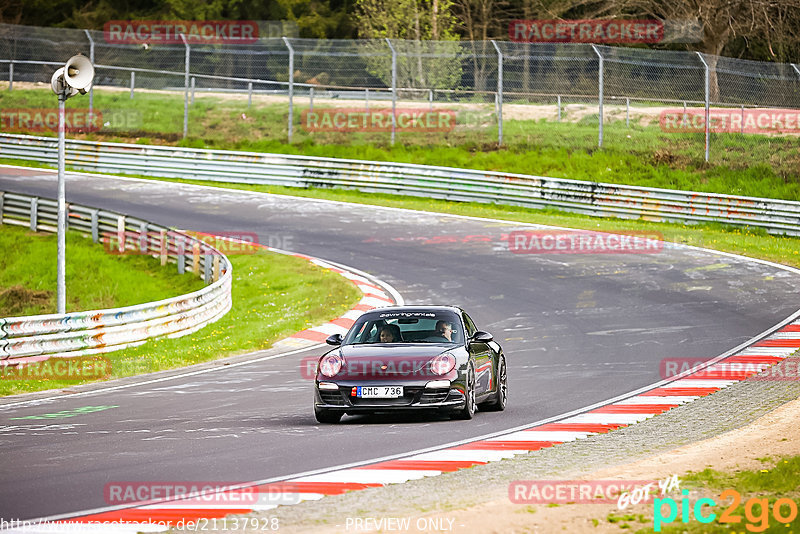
[[728, 369]]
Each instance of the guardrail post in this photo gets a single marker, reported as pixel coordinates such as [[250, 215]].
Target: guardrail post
[[95, 226], [121, 233], [181, 246], [2, 196], [499, 94], [430, 99], [366, 98], [600, 95], [144, 239], [196, 258], [163, 250], [311, 99], [742, 126], [91, 58], [133, 82], [559, 108], [708, 112], [216, 267], [186, 87], [191, 99], [249, 94], [34, 213], [394, 88], [11, 76], [291, 86], [207, 268]]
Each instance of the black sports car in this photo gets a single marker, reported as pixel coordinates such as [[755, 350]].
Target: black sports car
[[411, 358]]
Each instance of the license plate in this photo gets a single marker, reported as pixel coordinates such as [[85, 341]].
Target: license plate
[[379, 392]]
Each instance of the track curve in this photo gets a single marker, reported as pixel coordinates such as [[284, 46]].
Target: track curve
[[577, 329]]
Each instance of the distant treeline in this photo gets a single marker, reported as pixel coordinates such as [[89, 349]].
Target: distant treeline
[[764, 30]]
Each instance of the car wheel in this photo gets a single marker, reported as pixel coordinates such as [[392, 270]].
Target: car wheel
[[468, 410], [498, 404], [327, 416]]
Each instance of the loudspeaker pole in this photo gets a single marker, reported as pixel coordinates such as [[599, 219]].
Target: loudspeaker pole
[[61, 284]]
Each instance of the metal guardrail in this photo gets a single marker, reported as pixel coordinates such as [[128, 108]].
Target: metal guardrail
[[40, 337], [592, 198]]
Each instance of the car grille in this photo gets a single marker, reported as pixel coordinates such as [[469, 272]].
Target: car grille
[[433, 395], [331, 397]]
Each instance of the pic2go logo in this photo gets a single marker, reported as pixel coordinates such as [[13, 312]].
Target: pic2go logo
[[756, 511]]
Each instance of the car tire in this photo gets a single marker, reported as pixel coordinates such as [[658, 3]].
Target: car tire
[[468, 411], [327, 416], [498, 403]]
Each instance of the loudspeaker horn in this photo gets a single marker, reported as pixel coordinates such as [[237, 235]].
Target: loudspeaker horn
[[79, 72]]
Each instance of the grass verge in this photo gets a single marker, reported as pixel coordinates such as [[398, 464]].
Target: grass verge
[[95, 279], [273, 296]]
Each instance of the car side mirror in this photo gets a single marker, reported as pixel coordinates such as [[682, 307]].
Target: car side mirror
[[481, 337], [335, 339]]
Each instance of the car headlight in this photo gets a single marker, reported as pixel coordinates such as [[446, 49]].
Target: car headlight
[[331, 364], [443, 364]]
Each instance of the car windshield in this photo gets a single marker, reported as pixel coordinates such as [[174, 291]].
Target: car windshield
[[406, 327]]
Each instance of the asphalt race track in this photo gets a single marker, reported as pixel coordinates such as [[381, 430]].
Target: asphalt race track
[[576, 329]]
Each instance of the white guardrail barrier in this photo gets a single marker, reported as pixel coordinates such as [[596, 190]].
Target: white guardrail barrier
[[39, 337], [592, 198]]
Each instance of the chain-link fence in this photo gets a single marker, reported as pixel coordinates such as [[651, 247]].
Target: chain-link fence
[[670, 104]]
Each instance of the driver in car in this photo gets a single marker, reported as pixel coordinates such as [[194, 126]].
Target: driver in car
[[444, 332]]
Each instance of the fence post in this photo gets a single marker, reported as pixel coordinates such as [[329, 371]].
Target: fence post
[[394, 88], [91, 58], [133, 82], [191, 100], [291, 85], [559, 108], [366, 98], [249, 94], [499, 93], [708, 135], [34, 213], [627, 112], [11, 75], [186, 87], [600, 95], [95, 226], [311, 99], [216, 267]]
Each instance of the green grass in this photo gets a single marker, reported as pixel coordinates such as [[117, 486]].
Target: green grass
[[274, 296], [94, 278], [752, 165], [770, 484]]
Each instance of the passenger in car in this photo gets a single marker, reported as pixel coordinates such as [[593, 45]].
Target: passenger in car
[[390, 333]]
